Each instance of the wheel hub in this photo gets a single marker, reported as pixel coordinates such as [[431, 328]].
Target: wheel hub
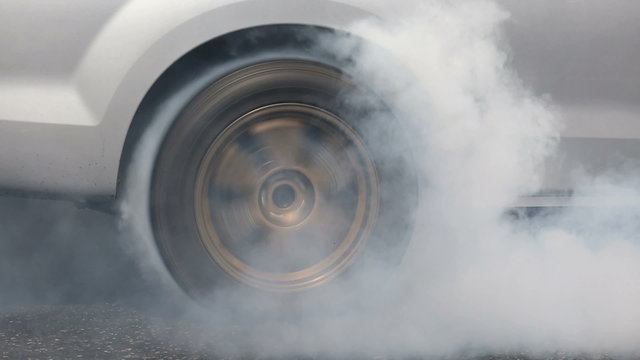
[[285, 197]]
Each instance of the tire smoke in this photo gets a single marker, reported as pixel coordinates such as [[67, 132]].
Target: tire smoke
[[474, 280], [480, 276]]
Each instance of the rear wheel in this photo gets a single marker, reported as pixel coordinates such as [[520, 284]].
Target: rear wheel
[[285, 197], [281, 176]]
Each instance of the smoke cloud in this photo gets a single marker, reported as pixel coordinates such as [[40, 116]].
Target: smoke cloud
[[477, 278], [474, 281]]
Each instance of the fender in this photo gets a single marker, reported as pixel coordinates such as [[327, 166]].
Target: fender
[[93, 108]]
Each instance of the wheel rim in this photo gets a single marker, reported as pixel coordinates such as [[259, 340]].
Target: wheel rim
[[285, 197]]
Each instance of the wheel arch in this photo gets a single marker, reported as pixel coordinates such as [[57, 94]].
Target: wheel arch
[[209, 59], [113, 87]]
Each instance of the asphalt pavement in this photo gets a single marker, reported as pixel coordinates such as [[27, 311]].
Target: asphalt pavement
[[98, 331], [70, 289]]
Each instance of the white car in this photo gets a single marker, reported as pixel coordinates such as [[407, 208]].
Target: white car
[[286, 189]]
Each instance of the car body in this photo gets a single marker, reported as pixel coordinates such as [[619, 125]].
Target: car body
[[73, 73], [68, 96]]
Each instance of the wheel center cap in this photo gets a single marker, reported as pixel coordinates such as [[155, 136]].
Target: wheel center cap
[[283, 196], [286, 198]]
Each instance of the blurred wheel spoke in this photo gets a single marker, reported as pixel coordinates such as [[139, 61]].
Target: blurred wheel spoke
[[227, 194], [314, 138], [254, 148]]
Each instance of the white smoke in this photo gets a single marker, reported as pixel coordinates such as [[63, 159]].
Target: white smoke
[[568, 282], [474, 281]]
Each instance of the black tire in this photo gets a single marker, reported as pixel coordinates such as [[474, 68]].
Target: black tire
[[283, 81]]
